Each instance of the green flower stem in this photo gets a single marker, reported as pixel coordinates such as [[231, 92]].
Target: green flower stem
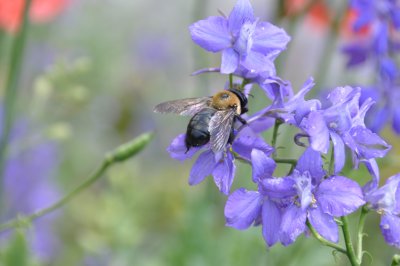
[[286, 161], [361, 222], [11, 86], [349, 245], [323, 240], [230, 81], [120, 154], [275, 136]]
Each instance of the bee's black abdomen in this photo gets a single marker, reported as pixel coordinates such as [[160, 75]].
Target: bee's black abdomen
[[197, 133]]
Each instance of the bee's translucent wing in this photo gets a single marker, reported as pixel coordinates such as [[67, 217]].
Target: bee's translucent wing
[[189, 106], [220, 129]]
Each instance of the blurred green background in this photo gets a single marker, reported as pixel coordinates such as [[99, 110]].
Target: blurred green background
[[89, 83]]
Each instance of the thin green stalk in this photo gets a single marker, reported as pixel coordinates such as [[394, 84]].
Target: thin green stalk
[[347, 240], [323, 240], [230, 81], [286, 161], [275, 135], [120, 154], [12, 86], [360, 234]]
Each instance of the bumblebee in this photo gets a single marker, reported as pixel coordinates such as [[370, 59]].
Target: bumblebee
[[213, 117]]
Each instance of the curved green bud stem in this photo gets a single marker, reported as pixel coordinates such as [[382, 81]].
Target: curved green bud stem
[[123, 152], [323, 240], [275, 136], [349, 245]]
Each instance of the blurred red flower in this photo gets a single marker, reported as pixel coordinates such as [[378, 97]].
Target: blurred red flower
[[41, 11], [318, 14], [346, 28]]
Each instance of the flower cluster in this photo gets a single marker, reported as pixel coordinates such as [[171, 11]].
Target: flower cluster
[[314, 192], [376, 26]]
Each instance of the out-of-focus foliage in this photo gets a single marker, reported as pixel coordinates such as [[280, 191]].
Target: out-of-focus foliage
[[89, 82]]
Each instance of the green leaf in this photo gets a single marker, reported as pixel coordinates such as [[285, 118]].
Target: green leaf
[[396, 260], [16, 254]]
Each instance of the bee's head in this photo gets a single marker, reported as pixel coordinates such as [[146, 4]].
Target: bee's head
[[242, 99], [230, 99]]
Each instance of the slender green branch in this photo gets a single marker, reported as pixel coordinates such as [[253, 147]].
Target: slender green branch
[[323, 240], [286, 161], [230, 81], [120, 154], [11, 87], [347, 240], [360, 235], [275, 135]]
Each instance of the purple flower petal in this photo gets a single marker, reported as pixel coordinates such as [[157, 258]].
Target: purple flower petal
[[339, 152], [247, 140], [263, 166], [339, 196], [278, 187], [293, 224], [324, 224], [269, 38], [202, 168], [303, 187], [211, 34], [229, 61], [386, 198], [224, 172], [241, 13], [177, 149], [271, 221], [242, 208], [256, 63], [311, 162], [373, 169], [318, 131], [390, 227], [368, 145]]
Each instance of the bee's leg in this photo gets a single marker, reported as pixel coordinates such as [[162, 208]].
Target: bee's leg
[[241, 119]]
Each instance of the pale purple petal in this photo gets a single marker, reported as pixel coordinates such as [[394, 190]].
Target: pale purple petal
[[263, 166], [338, 152], [224, 172], [368, 144], [256, 63], [390, 227], [247, 140], [229, 61], [373, 169], [386, 198], [324, 224], [242, 208], [311, 161], [293, 224], [339, 196], [202, 168], [271, 222], [177, 149], [268, 38], [278, 187], [241, 13], [303, 187], [211, 34], [316, 127]]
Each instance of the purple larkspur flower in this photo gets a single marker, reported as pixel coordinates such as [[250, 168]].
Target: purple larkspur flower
[[284, 204], [343, 123], [386, 201], [222, 167], [243, 39]]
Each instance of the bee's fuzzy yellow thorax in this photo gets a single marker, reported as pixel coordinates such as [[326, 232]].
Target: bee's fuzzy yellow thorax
[[224, 100]]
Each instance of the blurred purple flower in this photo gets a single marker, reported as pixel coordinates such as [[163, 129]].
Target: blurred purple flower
[[386, 201], [242, 39], [222, 167], [28, 187], [284, 204]]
